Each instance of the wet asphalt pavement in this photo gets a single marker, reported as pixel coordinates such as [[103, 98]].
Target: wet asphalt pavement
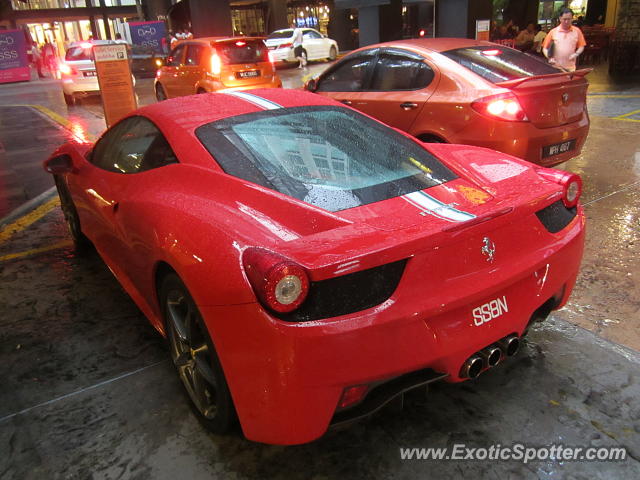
[[87, 390]]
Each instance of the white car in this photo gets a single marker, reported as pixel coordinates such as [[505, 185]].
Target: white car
[[78, 72], [315, 45]]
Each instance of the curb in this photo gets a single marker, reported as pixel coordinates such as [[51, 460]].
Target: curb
[[28, 206]]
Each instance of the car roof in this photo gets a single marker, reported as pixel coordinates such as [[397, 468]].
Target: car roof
[[433, 44], [190, 112], [209, 40]]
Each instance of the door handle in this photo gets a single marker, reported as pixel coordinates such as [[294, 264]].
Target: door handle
[[346, 102], [408, 105]]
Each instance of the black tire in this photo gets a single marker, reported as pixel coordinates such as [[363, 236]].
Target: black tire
[[333, 53], [201, 90], [195, 357], [80, 242], [70, 100], [160, 93]]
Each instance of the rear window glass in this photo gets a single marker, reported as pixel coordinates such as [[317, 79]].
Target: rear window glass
[[241, 51], [330, 157], [280, 34], [498, 63], [78, 53]]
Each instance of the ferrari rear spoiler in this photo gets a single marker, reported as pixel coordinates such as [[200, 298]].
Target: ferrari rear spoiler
[[519, 81]]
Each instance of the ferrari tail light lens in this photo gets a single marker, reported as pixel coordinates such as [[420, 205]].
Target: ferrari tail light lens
[[280, 284], [352, 395], [216, 64], [571, 185], [504, 106]]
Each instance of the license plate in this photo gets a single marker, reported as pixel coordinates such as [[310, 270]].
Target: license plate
[[249, 74], [89, 74], [558, 148]]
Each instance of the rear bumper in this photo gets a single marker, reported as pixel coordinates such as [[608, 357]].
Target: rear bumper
[[80, 85], [524, 140], [286, 379], [216, 86], [283, 54]]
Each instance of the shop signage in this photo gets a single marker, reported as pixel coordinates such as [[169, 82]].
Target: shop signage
[[116, 84], [14, 63], [146, 37], [482, 29]]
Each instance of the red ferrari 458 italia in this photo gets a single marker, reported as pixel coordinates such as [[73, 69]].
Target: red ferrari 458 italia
[[307, 263]]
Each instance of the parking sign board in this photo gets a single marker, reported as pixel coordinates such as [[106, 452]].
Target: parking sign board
[[116, 84]]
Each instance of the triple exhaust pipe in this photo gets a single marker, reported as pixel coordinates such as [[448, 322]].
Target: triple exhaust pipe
[[490, 356]]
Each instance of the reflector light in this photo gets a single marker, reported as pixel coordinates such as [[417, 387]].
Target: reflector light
[[352, 395], [216, 64], [280, 284], [492, 53], [240, 43]]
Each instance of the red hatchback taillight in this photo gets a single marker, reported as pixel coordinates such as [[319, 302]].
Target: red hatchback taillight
[[280, 284], [571, 185], [504, 106]]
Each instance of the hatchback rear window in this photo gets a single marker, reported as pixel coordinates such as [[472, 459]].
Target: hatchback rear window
[[78, 53], [330, 157], [280, 34], [498, 64], [241, 51]]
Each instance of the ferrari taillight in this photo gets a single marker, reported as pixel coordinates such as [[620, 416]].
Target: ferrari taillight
[[504, 106], [280, 284], [216, 64], [570, 182]]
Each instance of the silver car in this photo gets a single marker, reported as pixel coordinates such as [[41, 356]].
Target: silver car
[[78, 71]]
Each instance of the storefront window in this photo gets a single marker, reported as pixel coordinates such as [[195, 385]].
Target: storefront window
[[248, 20], [309, 15]]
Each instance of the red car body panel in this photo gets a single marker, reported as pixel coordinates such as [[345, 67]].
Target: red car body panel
[[444, 107], [286, 378]]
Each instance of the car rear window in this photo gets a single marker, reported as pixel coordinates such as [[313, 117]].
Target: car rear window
[[78, 53], [330, 157], [242, 51], [280, 34], [498, 64]]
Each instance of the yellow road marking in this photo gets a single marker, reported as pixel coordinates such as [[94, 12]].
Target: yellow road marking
[[595, 95], [28, 219], [35, 251], [624, 117], [61, 120]]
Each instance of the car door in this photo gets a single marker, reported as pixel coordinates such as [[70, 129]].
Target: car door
[[131, 149], [400, 85], [313, 43], [192, 70], [346, 80], [171, 71]]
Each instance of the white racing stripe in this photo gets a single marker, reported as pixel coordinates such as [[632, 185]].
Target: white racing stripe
[[435, 207], [256, 100]]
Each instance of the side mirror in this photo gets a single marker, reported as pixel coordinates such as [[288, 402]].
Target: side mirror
[[311, 85], [59, 165]]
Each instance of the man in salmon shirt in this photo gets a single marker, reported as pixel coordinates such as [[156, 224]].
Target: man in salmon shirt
[[568, 42]]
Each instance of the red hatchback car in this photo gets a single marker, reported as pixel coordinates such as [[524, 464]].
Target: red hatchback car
[[308, 263], [456, 90]]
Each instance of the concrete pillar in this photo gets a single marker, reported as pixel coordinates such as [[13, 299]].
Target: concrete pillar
[[210, 18], [277, 16], [369, 25], [457, 18], [340, 28]]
